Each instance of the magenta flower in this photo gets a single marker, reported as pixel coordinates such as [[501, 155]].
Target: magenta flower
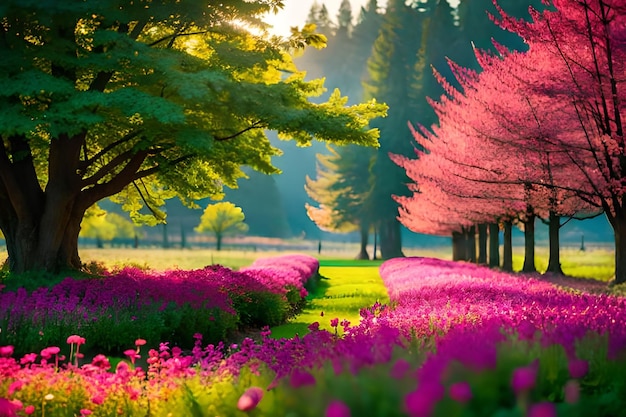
[[301, 378], [400, 368], [29, 409], [578, 368], [337, 408], [7, 408], [544, 409], [461, 392], [250, 399], [140, 342], [523, 379], [334, 322]]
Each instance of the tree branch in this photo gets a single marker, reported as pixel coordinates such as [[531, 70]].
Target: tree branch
[[256, 125]]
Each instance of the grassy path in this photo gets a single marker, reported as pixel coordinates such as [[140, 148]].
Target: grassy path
[[346, 287]]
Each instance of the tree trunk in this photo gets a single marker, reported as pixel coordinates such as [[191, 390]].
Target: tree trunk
[[218, 241], [482, 244], [529, 244], [470, 236], [459, 252], [619, 229], [507, 247], [554, 263], [494, 245], [364, 232], [390, 239], [29, 251]]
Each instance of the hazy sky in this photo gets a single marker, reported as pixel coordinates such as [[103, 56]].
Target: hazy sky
[[296, 12]]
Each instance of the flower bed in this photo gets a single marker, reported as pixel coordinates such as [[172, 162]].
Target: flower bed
[[459, 340], [113, 311]]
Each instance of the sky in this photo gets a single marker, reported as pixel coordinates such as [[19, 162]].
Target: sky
[[295, 12]]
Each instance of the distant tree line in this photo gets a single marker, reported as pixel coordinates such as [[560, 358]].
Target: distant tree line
[[389, 55]]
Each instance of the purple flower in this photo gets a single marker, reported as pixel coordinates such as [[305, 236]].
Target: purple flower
[[461, 392], [300, 378]]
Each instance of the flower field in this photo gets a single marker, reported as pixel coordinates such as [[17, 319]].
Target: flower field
[[455, 340]]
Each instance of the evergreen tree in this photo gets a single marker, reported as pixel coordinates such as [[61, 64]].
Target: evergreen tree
[[342, 189], [395, 56]]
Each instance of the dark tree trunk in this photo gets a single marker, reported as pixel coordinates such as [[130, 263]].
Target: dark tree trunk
[[459, 252], [218, 241], [28, 250], [390, 239], [494, 245], [470, 236], [529, 244], [482, 244], [364, 232], [619, 229], [554, 225], [507, 247]]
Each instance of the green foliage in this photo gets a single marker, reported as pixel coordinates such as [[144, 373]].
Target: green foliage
[[103, 225], [150, 101]]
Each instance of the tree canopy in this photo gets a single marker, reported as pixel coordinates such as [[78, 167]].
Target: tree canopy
[[222, 219], [143, 101]]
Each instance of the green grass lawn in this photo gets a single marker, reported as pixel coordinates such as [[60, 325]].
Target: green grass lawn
[[347, 287], [593, 263]]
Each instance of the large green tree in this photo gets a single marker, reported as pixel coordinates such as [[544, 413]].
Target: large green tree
[[143, 101]]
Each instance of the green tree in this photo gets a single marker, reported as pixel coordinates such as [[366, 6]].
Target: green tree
[[342, 189], [394, 67], [143, 102], [222, 219], [103, 226]]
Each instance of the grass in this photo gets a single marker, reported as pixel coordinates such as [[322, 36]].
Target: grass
[[592, 263], [343, 291]]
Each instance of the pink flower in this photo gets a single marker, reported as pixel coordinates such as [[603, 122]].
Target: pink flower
[[7, 408], [544, 409], [334, 322], [571, 391], [337, 409], [48, 352], [140, 342], [85, 412], [6, 351], [132, 355], [523, 379], [461, 392], [97, 399], [28, 358], [250, 399], [578, 368], [75, 339], [30, 409], [101, 362]]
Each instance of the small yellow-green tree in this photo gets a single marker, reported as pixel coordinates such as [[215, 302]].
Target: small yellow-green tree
[[102, 225], [222, 219]]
